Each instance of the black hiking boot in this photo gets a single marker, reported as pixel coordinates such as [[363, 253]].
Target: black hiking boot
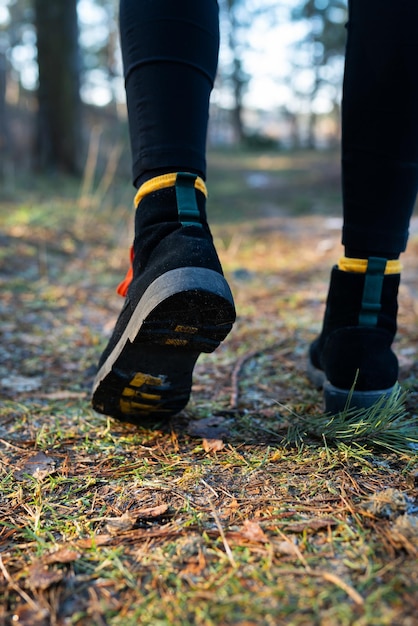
[[352, 358], [178, 304]]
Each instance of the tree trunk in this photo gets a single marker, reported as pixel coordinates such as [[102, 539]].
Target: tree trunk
[[237, 77], [238, 86], [4, 143], [58, 137]]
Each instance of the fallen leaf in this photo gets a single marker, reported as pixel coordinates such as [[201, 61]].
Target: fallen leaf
[[115, 525], [133, 535], [40, 577], [313, 524], [213, 445], [25, 615], [129, 519], [63, 555], [94, 542], [253, 531], [154, 511], [286, 548], [38, 465]]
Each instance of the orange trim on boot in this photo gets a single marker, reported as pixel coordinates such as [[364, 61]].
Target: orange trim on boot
[[122, 288]]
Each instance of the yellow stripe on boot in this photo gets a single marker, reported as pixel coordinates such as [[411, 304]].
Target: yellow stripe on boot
[[162, 182], [359, 266]]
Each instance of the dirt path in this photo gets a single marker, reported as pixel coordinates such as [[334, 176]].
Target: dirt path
[[209, 519]]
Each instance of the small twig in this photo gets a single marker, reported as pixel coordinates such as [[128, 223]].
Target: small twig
[[222, 534], [10, 445], [16, 587], [296, 550], [210, 488], [339, 582], [95, 607], [332, 578]]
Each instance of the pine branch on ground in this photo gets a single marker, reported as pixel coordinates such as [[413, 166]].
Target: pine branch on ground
[[386, 425]]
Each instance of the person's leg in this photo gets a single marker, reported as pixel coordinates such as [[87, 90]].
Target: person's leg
[[170, 56], [380, 127], [177, 302], [380, 183]]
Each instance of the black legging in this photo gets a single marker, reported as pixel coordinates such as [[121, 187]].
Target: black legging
[[380, 126], [170, 56], [170, 52]]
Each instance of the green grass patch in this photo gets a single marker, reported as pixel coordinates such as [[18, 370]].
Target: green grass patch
[[251, 507]]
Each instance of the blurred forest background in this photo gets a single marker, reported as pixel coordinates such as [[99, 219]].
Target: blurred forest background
[[62, 98]]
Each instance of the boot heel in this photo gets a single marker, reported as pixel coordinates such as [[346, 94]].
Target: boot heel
[[338, 400], [355, 344], [190, 308]]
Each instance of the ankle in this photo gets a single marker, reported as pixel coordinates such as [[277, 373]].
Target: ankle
[[363, 298], [165, 204], [163, 171], [174, 197]]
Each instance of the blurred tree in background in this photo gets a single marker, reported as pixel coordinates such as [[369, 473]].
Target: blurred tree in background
[[61, 75], [4, 143], [58, 133], [318, 59], [16, 29], [237, 19]]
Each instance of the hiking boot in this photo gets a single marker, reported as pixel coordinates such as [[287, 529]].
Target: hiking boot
[[352, 358], [178, 304]]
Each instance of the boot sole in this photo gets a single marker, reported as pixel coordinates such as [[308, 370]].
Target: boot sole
[[149, 372], [337, 400]]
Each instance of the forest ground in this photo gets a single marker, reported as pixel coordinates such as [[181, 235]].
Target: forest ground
[[214, 517]]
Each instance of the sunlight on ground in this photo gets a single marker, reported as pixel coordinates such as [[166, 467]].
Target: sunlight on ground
[[211, 518]]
